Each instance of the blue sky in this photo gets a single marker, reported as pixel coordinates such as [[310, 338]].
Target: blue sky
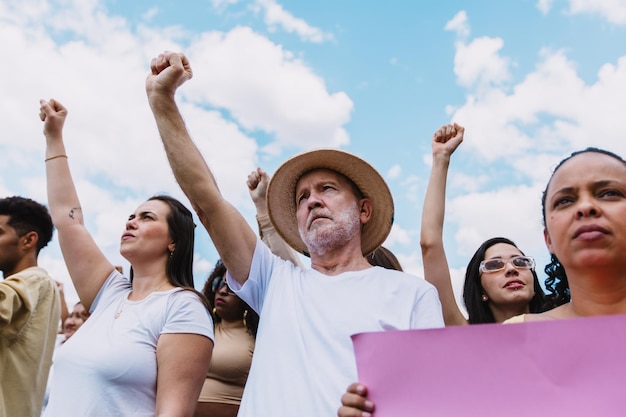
[[531, 81]]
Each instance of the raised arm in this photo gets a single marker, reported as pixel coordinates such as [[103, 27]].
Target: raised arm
[[231, 234], [86, 264], [257, 186], [436, 271], [65, 312]]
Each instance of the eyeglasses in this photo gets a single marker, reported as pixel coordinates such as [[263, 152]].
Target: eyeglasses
[[220, 283], [519, 262]]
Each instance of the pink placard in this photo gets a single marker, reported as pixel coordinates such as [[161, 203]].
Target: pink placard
[[551, 368]]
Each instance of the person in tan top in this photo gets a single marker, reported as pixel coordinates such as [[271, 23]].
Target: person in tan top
[[29, 307]]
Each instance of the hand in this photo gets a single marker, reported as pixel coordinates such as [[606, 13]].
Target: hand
[[447, 138], [257, 186], [53, 114], [354, 402], [168, 71]]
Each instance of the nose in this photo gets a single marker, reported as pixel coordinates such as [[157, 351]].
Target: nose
[[587, 207], [130, 224], [509, 269], [314, 201]]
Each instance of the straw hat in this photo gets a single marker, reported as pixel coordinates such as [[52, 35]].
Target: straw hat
[[281, 195]]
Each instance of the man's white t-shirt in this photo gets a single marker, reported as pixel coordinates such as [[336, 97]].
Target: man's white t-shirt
[[304, 359]]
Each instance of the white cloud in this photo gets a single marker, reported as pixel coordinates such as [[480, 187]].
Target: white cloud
[[612, 10], [276, 15], [96, 64], [551, 111], [397, 235], [544, 6], [153, 11], [459, 24], [394, 172], [478, 64], [265, 88], [223, 3]]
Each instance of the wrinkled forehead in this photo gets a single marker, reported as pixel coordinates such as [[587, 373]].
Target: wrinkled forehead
[[324, 174]]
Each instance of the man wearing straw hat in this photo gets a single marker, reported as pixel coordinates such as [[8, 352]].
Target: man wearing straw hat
[[329, 205]]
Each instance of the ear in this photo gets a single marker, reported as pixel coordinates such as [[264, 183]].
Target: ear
[[171, 247], [29, 240], [365, 205], [546, 238]]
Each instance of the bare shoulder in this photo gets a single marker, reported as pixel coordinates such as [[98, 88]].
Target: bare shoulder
[[558, 313]]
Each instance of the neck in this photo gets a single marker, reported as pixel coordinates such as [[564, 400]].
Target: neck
[[597, 293], [143, 285], [502, 313], [25, 262], [232, 324], [335, 263]]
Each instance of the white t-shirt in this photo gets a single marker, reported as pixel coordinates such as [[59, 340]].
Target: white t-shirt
[[109, 367], [304, 359]]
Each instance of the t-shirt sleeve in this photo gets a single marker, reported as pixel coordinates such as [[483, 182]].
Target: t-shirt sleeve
[[427, 312], [262, 269], [114, 283], [187, 314], [18, 298]]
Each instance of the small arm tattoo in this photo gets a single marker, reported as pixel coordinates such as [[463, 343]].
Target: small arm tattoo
[[71, 214]]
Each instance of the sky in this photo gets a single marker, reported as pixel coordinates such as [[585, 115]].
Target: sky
[[531, 81]]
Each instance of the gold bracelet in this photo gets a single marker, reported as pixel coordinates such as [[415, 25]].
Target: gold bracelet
[[55, 157]]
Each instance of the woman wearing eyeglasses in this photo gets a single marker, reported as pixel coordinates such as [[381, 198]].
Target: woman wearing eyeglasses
[[500, 281]]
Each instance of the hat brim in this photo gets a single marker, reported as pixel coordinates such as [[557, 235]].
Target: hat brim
[[281, 198]]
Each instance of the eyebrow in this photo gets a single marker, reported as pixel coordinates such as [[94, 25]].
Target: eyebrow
[[596, 184], [142, 213]]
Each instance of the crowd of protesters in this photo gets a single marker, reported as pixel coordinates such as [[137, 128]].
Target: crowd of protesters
[[267, 335]]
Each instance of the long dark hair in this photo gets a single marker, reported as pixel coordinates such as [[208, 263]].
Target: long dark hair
[[214, 282], [557, 284], [179, 267], [479, 311], [385, 258]]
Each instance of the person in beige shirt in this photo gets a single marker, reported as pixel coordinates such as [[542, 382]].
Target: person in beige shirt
[[30, 307]]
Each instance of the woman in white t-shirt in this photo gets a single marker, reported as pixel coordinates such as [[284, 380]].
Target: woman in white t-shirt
[[146, 347]]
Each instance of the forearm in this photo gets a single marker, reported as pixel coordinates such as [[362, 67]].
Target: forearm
[[63, 200], [436, 269], [433, 210], [189, 167], [277, 245], [231, 234], [65, 313]]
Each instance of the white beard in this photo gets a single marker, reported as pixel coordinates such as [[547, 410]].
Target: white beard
[[331, 234]]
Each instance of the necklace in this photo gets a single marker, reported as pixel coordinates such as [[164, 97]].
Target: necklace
[[120, 310]]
